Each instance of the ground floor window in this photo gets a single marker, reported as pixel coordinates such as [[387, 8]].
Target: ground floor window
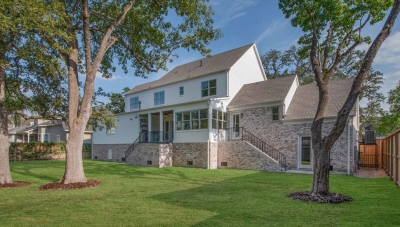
[[219, 119], [193, 119]]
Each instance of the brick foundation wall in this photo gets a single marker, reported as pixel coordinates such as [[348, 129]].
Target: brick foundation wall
[[190, 152], [101, 151], [242, 155]]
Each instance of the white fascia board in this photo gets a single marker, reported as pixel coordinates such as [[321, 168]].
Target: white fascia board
[[256, 105], [175, 82], [259, 61], [290, 94]]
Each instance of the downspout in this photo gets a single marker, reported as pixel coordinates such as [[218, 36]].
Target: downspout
[[348, 146]]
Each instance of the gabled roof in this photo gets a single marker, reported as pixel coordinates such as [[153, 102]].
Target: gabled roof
[[305, 101], [271, 90], [201, 67]]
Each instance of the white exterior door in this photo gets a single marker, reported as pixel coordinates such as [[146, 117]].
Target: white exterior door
[[305, 152]]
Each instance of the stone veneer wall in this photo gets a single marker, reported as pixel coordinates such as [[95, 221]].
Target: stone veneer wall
[[101, 151], [195, 152], [143, 153], [284, 138], [214, 155], [242, 155], [165, 155]]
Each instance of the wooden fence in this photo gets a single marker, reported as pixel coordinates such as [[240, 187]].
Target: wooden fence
[[370, 155], [391, 156]]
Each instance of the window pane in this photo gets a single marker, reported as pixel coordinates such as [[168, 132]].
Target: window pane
[[204, 85], [220, 124], [161, 94], [195, 114], [156, 102], [179, 125], [214, 124], [204, 123], [220, 115], [162, 100], [213, 91], [195, 124], [179, 116], [181, 91], [186, 125], [213, 83], [186, 115], [203, 114], [156, 95], [214, 114], [204, 93]]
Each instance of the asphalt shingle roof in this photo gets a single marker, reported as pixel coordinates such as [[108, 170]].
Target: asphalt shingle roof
[[264, 91], [305, 101], [205, 66]]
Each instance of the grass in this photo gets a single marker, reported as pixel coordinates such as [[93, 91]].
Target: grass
[[145, 196]]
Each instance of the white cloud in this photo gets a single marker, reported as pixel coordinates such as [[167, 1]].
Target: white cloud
[[270, 30], [228, 10]]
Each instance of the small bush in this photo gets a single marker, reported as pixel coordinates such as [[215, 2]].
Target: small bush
[[36, 151]]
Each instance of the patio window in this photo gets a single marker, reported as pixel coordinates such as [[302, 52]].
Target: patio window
[[208, 88], [193, 119]]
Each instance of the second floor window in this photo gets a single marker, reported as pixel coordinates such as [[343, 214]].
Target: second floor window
[[181, 91], [208, 88], [159, 98], [110, 130], [134, 103]]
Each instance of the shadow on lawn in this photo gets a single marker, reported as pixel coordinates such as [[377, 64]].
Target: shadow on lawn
[[252, 200], [132, 172]]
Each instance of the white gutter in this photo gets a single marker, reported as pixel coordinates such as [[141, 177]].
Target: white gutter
[[348, 146]]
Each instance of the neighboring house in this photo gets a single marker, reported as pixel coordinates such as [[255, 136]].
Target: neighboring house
[[222, 112], [43, 130]]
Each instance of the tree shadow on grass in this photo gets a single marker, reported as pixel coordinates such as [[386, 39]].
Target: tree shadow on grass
[[258, 199]]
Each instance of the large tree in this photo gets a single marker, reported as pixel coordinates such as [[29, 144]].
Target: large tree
[[141, 34], [390, 120], [335, 26], [289, 62], [27, 60]]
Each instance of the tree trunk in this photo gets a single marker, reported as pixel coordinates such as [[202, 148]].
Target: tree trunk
[[5, 173], [321, 170], [74, 164]]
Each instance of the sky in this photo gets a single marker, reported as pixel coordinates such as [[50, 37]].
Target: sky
[[261, 22]]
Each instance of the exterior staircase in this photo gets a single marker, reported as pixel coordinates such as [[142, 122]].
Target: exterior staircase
[[240, 133]]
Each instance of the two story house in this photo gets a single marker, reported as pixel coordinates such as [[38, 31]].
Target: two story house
[[220, 112]]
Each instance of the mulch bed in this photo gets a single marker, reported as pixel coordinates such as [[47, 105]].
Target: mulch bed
[[329, 197], [15, 184], [61, 186]]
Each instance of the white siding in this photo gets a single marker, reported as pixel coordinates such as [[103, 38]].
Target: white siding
[[245, 71], [192, 92], [290, 94], [125, 132]]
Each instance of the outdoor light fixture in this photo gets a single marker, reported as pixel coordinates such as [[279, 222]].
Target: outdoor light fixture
[[241, 115]]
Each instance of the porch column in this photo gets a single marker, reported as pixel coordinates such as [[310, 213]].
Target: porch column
[[23, 137], [209, 122], [29, 135], [149, 127], [161, 126]]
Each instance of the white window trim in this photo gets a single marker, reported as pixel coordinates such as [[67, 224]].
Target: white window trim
[[130, 104], [216, 88], [299, 166], [154, 100], [48, 136]]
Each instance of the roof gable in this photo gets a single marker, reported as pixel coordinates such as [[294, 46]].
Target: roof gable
[[305, 101], [198, 68], [271, 90]]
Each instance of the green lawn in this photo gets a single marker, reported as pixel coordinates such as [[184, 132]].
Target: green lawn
[[145, 196]]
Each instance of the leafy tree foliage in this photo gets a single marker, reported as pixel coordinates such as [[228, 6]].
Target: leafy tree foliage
[[391, 119], [139, 34], [332, 31], [117, 102], [29, 64]]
